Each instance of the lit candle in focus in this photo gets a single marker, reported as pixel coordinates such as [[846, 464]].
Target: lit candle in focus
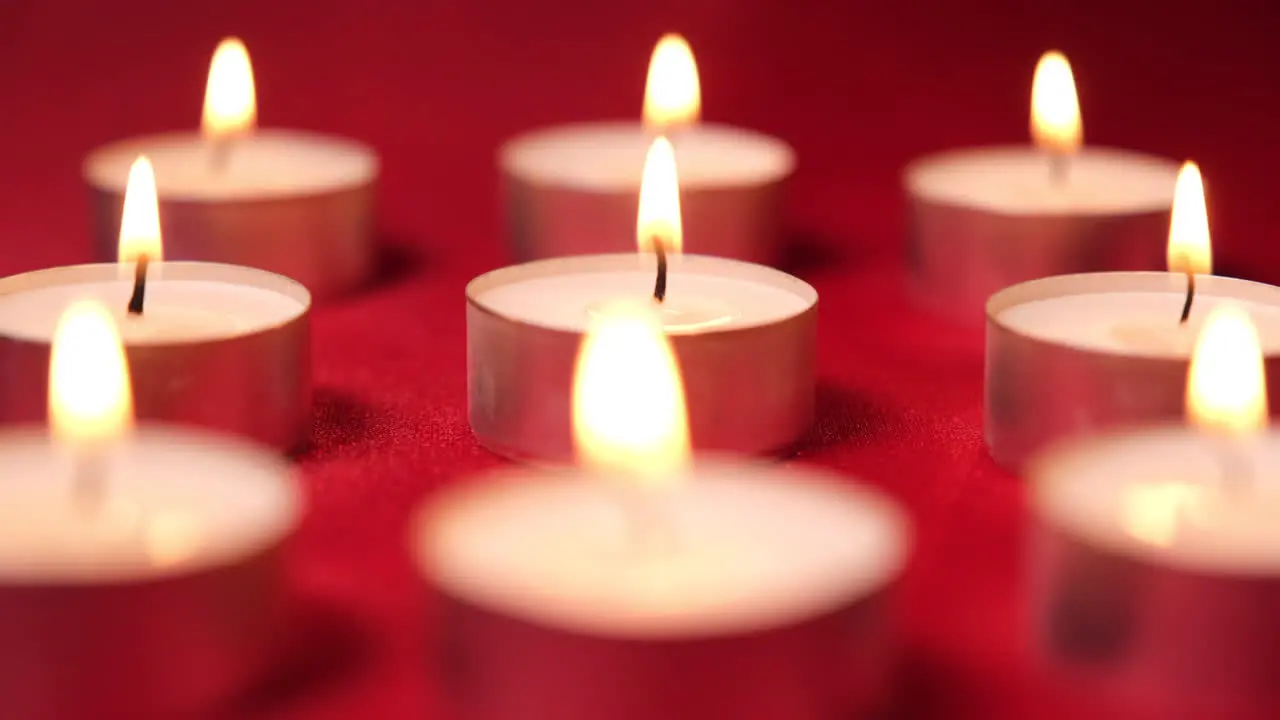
[[224, 346], [1081, 353], [744, 333]]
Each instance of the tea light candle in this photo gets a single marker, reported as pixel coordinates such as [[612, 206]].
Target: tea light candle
[[745, 335], [296, 203], [1157, 567], [1076, 354], [219, 346], [122, 549], [572, 190], [646, 587], [983, 219]]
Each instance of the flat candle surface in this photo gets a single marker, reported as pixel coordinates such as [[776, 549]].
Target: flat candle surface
[[161, 503], [175, 310], [733, 548], [267, 163], [1132, 323], [1019, 181], [566, 301], [1174, 496], [610, 156]]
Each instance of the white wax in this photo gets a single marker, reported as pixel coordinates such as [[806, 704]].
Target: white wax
[[734, 548], [168, 502], [609, 156], [1141, 323], [175, 310], [1018, 181], [266, 164], [1172, 495], [714, 292]]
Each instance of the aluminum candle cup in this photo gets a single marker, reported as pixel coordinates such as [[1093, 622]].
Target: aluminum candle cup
[[294, 203], [1078, 354], [764, 598], [986, 218], [1156, 572], [572, 190], [744, 335], [160, 596], [218, 346]]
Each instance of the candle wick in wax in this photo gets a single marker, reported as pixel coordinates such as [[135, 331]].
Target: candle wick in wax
[[1059, 166], [660, 284], [1191, 296], [139, 286]]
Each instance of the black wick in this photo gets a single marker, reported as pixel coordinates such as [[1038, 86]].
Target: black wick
[[1191, 296], [660, 285], [139, 286]]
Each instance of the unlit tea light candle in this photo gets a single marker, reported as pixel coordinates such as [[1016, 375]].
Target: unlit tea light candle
[[572, 189], [291, 202], [1076, 354], [122, 548], [1156, 553], [649, 587], [745, 335], [987, 218], [221, 346]]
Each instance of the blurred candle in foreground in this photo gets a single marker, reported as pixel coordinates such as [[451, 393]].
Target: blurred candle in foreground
[[1158, 548], [101, 523], [654, 582]]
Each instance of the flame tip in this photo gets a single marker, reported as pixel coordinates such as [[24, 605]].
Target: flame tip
[[672, 94]]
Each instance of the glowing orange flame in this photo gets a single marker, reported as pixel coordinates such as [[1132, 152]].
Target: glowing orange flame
[[90, 399], [230, 105], [1055, 109], [628, 400], [672, 95]]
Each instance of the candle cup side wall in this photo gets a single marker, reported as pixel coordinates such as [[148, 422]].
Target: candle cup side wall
[[162, 648], [256, 385], [497, 667], [958, 256], [1039, 392], [738, 222], [1152, 639], [749, 390], [325, 241]]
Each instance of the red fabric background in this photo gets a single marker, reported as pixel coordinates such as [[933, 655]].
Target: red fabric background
[[858, 87]]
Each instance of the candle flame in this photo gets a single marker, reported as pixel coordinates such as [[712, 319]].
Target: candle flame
[[628, 400], [1055, 109], [90, 400], [658, 216], [1227, 383], [1189, 248], [230, 105], [672, 95], [140, 220]]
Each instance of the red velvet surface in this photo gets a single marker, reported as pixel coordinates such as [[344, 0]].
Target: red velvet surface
[[858, 87]]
